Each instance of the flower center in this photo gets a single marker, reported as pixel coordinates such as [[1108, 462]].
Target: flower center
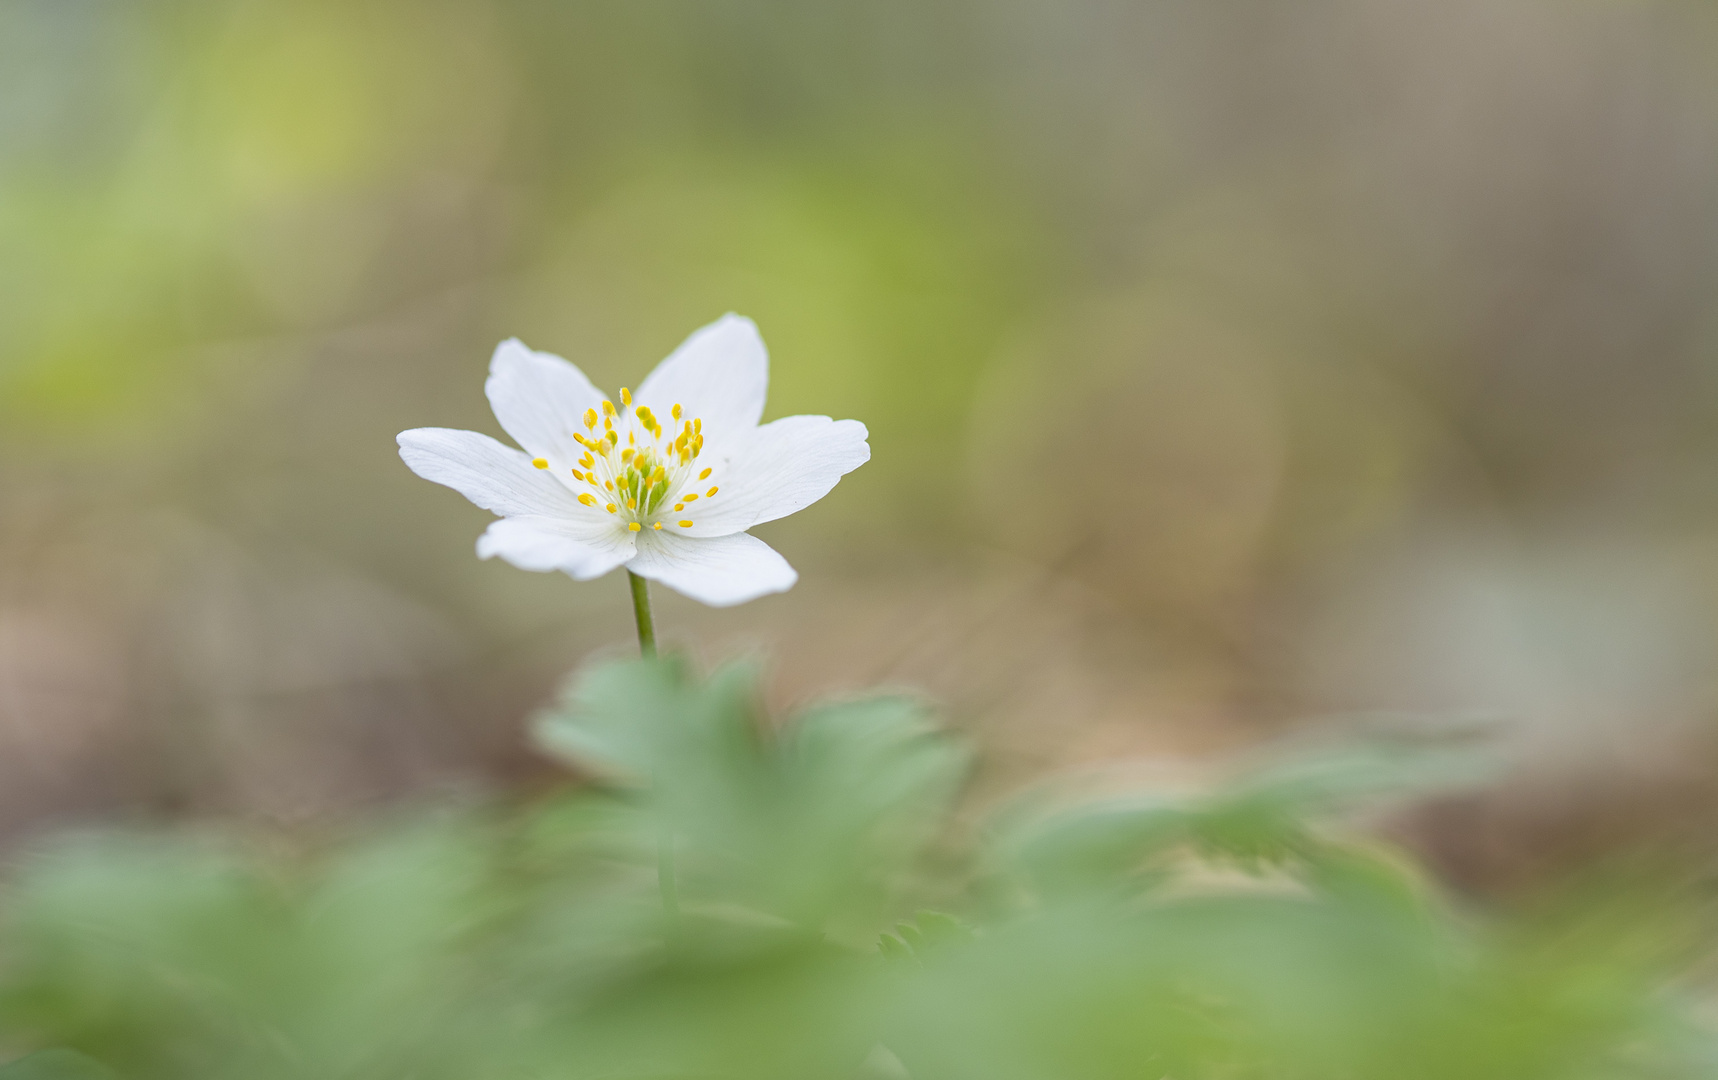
[[641, 472]]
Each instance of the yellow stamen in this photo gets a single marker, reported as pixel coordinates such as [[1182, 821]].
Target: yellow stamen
[[608, 406], [633, 526], [690, 498], [679, 507], [705, 475], [632, 504], [658, 525], [614, 438], [685, 524], [609, 484], [577, 475], [608, 425], [711, 492], [626, 455], [587, 500], [590, 418], [676, 412], [698, 424], [625, 398], [541, 463], [610, 508]]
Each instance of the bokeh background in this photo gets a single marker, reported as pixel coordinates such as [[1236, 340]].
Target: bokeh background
[[1232, 369]]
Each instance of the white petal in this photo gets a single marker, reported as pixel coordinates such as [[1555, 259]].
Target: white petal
[[784, 466], [493, 476], [540, 400], [719, 571], [573, 546], [720, 375]]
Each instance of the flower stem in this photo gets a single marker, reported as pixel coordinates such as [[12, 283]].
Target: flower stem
[[665, 879], [641, 608]]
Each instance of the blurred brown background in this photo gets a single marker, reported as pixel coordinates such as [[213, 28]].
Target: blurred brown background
[[1230, 367]]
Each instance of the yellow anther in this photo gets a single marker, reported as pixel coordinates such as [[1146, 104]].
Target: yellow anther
[[686, 524], [705, 475], [658, 525], [609, 484], [610, 508], [590, 418], [679, 507], [614, 438], [587, 461], [646, 415], [626, 455], [658, 476], [632, 504], [698, 424], [587, 500], [577, 475], [690, 498], [541, 463], [629, 439], [633, 526], [608, 406], [675, 411], [608, 425], [711, 492], [625, 398]]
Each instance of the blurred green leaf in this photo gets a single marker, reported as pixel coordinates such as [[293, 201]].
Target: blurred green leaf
[[810, 821], [533, 942], [55, 1065], [1268, 816], [928, 930]]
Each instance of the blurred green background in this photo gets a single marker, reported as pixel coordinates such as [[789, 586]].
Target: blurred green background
[[1230, 367]]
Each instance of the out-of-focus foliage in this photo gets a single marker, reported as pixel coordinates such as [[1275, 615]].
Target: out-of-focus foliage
[[732, 898]]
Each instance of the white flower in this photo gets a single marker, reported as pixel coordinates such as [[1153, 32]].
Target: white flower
[[665, 483]]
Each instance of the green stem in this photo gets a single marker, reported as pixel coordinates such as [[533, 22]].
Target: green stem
[[665, 840], [641, 608]]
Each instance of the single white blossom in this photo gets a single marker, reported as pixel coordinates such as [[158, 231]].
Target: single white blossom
[[665, 483]]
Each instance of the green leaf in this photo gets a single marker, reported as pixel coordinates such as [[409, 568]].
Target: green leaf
[[55, 1065], [893, 948], [650, 721], [806, 821]]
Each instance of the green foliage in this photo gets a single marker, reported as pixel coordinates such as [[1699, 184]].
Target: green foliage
[[810, 823], [1241, 933], [55, 1065], [928, 930]]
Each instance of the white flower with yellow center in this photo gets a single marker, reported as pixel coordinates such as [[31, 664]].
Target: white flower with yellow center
[[665, 483]]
